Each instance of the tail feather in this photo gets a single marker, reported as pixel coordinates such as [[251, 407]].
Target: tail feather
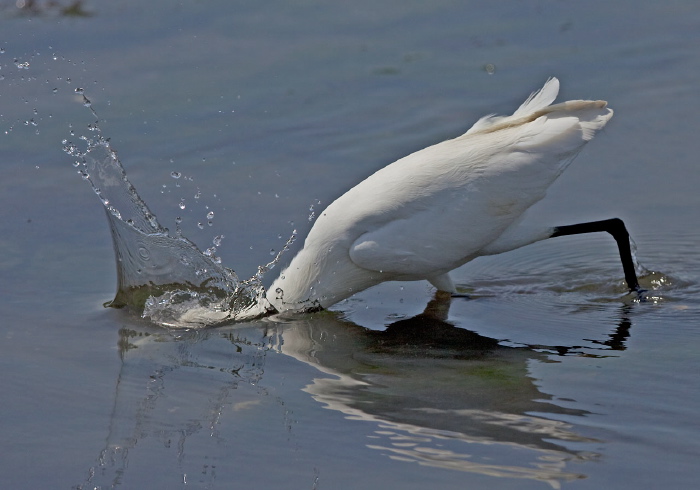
[[591, 115], [540, 99], [537, 101], [564, 127]]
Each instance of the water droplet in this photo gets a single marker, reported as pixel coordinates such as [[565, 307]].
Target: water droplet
[[490, 68], [200, 225], [272, 251], [210, 215], [175, 175], [182, 204], [144, 253], [79, 91], [217, 240]]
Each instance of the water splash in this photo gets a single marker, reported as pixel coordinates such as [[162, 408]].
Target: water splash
[[165, 279]]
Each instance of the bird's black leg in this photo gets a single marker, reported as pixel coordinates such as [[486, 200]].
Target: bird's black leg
[[616, 227]]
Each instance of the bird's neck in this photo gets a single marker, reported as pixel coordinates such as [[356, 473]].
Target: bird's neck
[[314, 281]]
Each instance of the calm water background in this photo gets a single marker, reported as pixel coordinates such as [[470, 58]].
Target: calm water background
[[268, 109]]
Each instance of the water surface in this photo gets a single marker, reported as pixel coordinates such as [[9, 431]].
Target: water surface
[[547, 377]]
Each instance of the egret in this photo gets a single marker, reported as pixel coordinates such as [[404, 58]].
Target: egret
[[438, 208]]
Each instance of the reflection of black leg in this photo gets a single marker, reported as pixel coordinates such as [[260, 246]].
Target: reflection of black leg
[[616, 228], [617, 339], [460, 295]]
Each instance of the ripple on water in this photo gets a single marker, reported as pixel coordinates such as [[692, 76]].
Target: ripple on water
[[567, 288]]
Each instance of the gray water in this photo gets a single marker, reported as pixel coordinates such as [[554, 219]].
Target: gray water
[[546, 377]]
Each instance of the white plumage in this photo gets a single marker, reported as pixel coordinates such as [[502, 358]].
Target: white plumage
[[438, 208]]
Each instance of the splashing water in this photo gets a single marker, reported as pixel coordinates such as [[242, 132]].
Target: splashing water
[[166, 279]]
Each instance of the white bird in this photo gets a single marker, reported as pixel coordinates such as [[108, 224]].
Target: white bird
[[438, 208]]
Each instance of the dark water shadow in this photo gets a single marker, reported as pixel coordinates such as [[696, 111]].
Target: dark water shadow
[[435, 394]]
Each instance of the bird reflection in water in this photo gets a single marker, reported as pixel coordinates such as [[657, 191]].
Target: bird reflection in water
[[437, 395]]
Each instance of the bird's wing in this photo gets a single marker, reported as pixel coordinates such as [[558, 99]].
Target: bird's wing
[[426, 239], [474, 195], [394, 251]]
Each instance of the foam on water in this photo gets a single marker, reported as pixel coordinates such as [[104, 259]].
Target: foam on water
[[165, 278]]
